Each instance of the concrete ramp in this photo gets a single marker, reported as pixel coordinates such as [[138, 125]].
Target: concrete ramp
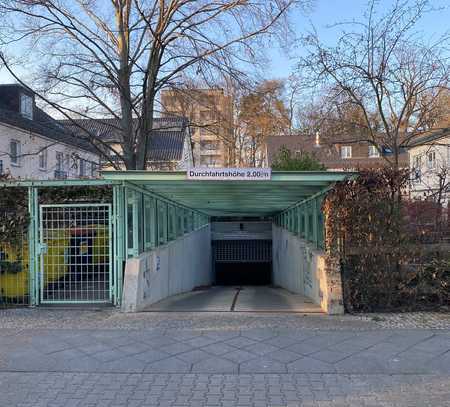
[[269, 299], [237, 299], [213, 299]]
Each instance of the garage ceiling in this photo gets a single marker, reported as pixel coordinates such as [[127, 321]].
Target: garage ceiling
[[232, 198]]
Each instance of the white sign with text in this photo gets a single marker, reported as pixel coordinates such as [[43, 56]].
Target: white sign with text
[[230, 174]]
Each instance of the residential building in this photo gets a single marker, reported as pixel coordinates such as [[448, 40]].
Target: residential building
[[211, 115], [334, 156], [169, 147], [35, 146], [429, 161]]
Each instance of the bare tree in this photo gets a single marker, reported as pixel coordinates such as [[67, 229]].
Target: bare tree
[[293, 91], [100, 58], [382, 81], [262, 113]]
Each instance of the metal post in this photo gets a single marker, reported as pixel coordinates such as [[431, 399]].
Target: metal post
[[120, 240], [165, 223], [306, 220], [154, 226], [33, 233], [136, 221], [321, 226], [315, 223], [131, 199]]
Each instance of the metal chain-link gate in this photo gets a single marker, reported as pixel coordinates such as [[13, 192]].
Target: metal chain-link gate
[[76, 253], [242, 251]]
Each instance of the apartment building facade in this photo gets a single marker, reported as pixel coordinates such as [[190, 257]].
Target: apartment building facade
[[429, 162], [210, 114], [34, 146], [334, 156]]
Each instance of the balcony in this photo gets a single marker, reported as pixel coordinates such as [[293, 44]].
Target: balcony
[[215, 152], [208, 137], [60, 174]]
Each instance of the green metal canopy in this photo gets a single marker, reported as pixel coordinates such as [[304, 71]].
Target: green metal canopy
[[232, 198]]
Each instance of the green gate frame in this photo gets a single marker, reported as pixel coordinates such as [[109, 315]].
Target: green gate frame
[[35, 249], [112, 270]]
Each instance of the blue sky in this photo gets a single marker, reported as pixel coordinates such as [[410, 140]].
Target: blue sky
[[328, 12]]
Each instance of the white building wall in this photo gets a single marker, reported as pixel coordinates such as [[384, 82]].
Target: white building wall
[[30, 146], [185, 163], [188, 159], [424, 174]]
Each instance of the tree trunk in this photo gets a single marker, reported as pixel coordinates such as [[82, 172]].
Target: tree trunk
[[126, 108]]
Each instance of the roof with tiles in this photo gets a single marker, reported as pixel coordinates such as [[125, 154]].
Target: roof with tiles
[[165, 144], [41, 123], [430, 138]]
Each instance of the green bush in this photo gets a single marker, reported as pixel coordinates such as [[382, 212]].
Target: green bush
[[385, 263], [285, 160]]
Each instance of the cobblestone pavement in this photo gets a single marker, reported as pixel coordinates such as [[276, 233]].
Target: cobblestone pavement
[[198, 390], [104, 358]]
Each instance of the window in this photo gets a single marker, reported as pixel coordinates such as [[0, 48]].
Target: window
[[417, 162], [43, 159], [417, 168], [59, 161], [209, 145], [67, 163], [373, 152], [26, 106], [431, 160], [59, 168], [208, 161], [93, 169], [1, 167], [82, 167], [14, 151], [346, 152]]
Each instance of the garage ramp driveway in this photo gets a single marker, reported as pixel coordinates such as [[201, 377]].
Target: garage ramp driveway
[[237, 299]]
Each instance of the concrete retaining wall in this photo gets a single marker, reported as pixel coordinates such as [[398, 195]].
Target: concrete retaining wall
[[174, 268], [300, 268]]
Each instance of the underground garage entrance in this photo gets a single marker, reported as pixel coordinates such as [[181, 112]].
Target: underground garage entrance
[[256, 237], [241, 252], [260, 236]]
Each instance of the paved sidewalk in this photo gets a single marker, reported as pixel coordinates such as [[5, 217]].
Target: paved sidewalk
[[275, 366]]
